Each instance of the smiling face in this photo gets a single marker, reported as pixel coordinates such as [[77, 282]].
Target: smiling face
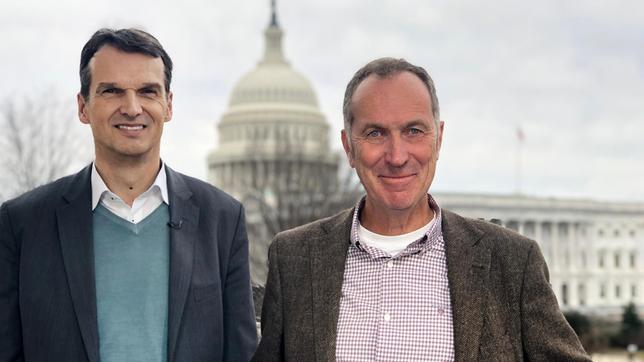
[[127, 105], [394, 143]]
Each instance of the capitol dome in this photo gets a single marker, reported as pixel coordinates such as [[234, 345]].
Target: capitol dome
[[273, 83], [273, 134], [273, 152]]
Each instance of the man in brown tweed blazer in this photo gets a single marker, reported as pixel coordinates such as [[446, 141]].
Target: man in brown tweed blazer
[[397, 278]]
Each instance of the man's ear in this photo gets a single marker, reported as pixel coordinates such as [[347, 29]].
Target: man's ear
[[346, 144], [82, 109], [168, 114], [439, 139]]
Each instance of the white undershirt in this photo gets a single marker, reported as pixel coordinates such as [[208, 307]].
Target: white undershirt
[[391, 244], [142, 206]]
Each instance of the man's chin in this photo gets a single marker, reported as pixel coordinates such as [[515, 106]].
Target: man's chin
[[399, 203]]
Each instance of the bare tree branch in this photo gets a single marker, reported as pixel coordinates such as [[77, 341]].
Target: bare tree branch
[[297, 189], [38, 144]]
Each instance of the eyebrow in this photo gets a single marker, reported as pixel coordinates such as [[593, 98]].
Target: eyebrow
[[102, 86], [416, 123], [151, 85], [384, 124]]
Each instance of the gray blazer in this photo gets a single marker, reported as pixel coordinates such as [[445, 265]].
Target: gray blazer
[[47, 290], [503, 306]]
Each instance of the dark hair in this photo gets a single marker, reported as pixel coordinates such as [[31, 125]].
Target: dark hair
[[386, 67], [127, 40]]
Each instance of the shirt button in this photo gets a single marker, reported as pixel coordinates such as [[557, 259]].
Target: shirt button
[[387, 317], [390, 264], [441, 311]]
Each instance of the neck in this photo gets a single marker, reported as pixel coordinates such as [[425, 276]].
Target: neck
[[128, 178], [380, 220]]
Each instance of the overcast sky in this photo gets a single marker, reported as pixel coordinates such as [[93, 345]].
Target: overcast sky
[[570, 74]]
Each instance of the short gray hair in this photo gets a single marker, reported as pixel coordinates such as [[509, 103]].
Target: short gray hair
[[383, 68]]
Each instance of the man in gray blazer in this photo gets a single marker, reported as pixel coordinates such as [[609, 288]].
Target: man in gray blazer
[[126, 260], [397, 278]]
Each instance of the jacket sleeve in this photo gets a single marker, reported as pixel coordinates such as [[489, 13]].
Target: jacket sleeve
[[240, 331], [547, 336], [271, 345], [10, 327]]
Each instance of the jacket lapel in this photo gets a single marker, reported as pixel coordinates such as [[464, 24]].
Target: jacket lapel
[[184, 214], [76, 242], [468, 267], [328, 256]]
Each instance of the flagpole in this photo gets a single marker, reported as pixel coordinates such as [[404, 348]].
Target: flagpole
[[518, 161]]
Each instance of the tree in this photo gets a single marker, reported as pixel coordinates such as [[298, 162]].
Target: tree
[[631, 330], [39, 143]]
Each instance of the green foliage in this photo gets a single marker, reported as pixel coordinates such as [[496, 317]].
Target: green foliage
[[631, 329]]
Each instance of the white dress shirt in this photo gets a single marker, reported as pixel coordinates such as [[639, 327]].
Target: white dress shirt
[[142, 206]]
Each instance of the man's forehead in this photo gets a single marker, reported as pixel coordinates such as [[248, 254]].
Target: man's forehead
[[114, 54], [376, 90], [113, 65], [396, 101]]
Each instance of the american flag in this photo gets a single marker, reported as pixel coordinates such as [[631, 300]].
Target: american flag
[[520, 134]]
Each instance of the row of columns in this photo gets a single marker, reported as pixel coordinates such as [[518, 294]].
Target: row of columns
[[596, 292], [559, 241]]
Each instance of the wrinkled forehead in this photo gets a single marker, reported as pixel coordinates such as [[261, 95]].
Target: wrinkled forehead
[[111, 65], [403, 84]]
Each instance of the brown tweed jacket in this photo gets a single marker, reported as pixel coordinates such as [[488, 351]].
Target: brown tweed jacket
[[503, 306]]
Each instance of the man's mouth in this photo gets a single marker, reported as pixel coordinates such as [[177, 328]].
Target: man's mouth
[[397, 179], [127, 127]]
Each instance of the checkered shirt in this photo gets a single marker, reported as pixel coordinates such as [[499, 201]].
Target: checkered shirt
[[396, 308]]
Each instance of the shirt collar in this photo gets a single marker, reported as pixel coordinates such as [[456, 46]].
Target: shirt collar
[[434, 234], [99, 188]]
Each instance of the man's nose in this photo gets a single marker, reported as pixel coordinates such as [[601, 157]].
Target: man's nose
[[131, 104], [396, 153]]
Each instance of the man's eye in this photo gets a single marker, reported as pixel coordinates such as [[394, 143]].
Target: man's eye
[[415, 131], [108, 92], [374, 133], [149, 91]]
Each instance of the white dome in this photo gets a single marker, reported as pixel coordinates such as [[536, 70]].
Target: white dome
[[273, 83], [273, 116]]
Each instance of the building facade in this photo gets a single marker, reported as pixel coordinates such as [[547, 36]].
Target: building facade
[[594, 250]]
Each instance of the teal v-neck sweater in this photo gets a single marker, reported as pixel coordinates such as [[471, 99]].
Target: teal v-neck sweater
[[131, 264]]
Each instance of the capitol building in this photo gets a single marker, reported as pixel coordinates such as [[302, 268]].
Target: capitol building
[[594, 250], [274, 152], [274, 156]]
